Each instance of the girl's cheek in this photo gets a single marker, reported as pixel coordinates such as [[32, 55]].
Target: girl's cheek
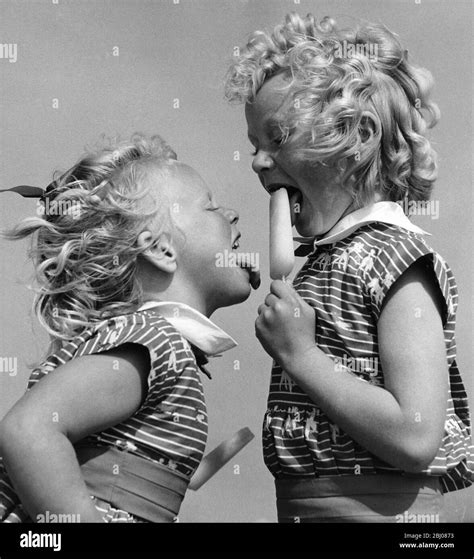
[[292, 163]]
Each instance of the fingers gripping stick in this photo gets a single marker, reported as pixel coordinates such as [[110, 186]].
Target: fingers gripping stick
[[282, 257]]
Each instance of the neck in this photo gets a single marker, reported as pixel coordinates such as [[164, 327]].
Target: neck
[[158, 285], [179, 292]]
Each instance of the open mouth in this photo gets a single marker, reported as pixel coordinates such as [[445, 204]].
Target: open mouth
[[246, 262]]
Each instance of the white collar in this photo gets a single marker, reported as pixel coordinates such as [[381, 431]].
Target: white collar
[[194, 326], [385, 212]]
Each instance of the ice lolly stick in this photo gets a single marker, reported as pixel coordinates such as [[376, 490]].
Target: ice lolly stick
[[282, 256], [218, 457]]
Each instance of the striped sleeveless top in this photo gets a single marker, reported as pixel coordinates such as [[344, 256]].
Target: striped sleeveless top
[[170, 427], [346, 282]]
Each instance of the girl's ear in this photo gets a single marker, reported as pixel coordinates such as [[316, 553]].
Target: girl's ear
[[369, 128], [160, 254]]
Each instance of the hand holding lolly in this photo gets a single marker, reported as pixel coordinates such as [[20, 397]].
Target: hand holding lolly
[[282, 257]]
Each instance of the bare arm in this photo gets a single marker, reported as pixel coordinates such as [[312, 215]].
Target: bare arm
[[402, 423], [84, 396]]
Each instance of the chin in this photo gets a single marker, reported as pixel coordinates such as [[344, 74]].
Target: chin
[[234, 292], [313, 229], [306, 230], [237, 296]]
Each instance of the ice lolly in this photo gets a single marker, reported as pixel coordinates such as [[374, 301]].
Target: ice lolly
[[282, 256]]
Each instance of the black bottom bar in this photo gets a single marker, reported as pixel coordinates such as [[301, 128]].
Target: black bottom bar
[[172, 541]]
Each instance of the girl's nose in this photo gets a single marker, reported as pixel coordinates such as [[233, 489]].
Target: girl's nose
[[231, 215], [262, 161]]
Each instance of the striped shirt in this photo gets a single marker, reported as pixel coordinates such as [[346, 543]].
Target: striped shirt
[[170, 427], [346, 280]]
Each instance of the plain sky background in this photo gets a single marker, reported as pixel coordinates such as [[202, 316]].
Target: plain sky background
[[170, 51]]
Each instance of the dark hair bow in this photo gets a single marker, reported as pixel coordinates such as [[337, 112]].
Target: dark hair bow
[[27, 191]]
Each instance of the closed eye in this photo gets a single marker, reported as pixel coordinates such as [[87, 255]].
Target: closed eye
[[279, 134], [211, 205], [279, 139]]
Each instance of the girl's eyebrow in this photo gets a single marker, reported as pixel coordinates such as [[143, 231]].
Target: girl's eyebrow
[[271, 121], [272, 124]]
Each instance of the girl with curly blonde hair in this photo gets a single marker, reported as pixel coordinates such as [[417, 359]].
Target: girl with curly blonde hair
[[114, 423], [367, 415]]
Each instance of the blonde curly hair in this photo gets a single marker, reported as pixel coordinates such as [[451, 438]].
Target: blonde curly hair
[[86, 259], [366, 114]]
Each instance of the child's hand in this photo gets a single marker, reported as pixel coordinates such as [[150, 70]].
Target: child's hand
[[286, 324]]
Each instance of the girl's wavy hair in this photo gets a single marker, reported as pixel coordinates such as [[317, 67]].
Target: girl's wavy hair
[[353, 101], [84, 245]]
